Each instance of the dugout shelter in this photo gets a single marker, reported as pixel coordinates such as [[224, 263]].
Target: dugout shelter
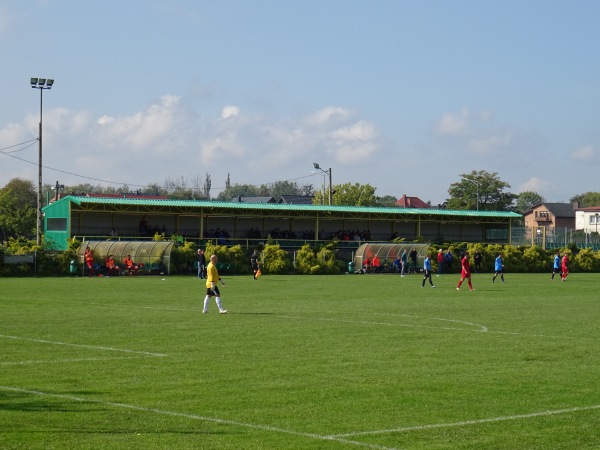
[[149, 256]]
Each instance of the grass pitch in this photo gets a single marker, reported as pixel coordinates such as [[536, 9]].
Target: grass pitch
[[311, 362]]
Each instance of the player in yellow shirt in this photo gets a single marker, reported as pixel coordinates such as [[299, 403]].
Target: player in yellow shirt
[[212, 280]]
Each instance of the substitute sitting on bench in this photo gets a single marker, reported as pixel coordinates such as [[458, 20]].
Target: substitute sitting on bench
[[130, 266]]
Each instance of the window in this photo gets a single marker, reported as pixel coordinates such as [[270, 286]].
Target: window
[[57, 224]]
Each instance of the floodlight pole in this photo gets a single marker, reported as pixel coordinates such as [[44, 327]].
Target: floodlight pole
[[41, 84], [328, 172], [476, 183]]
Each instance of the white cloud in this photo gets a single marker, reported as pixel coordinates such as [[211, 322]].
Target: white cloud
[[143, 129], [453, 124], [586, 153], [489, 144], [229, 111], [167, 140], [329, 115], [535, 184]]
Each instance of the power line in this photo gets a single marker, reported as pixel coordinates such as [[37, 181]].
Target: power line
[[30, 142], [33, 141]]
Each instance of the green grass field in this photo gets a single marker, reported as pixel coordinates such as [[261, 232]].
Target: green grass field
[[319, 362]]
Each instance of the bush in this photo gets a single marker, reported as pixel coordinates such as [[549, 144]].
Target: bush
[[322, 263], [234, 256], [587, 260], [275, 260]]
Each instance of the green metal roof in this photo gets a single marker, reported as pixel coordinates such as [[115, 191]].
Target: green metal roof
[[80, 200]]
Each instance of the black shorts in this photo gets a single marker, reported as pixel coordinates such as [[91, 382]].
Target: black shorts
[[210, 292]]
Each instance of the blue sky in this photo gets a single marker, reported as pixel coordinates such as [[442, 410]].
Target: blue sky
[[403, 95]]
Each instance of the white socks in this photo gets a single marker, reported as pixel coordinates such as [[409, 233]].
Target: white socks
[[217, 299]]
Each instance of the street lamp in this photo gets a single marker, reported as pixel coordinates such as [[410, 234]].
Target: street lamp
[[316, 166], [476, 183], [314, 172], [56, 190], [41, 84]]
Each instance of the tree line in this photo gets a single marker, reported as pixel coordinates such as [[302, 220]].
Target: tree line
[[477, 190]]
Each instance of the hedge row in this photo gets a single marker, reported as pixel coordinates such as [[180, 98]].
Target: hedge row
[[308, 260]]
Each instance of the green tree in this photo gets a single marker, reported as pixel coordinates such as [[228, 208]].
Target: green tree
[[587, 200], [285, 188], [18, 208], [206, 186], [232, 191], [348, 195], [386, 200], [527, 200], [480, 190]]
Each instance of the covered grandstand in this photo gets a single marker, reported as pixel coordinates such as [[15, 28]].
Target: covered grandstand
[[97, 218]]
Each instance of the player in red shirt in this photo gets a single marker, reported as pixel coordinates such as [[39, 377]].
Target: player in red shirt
[[465, 272], [89, 261], [564, 269]]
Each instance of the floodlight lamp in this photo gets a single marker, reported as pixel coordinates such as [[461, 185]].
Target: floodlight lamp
[[49, 83], [41, 81], [316, 166], [34, 82]]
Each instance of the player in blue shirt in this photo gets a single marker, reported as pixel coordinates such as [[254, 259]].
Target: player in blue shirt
[[498, 268], [427, 271], [556, 266]]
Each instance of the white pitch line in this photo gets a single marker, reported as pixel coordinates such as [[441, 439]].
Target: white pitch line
[[96, 347], [482, 328], [471, 422], [59, 361], [371, 322], [197, 417]]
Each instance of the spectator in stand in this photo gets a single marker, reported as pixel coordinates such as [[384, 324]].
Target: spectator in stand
[[143, 227]]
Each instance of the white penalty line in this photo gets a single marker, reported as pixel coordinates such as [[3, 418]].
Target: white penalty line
[[471, 422], [198, 417], [95, 347]]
